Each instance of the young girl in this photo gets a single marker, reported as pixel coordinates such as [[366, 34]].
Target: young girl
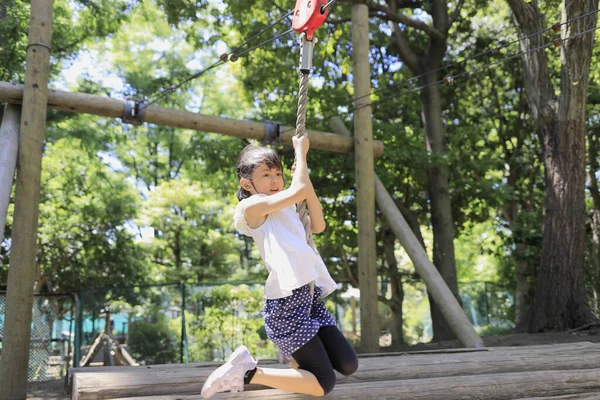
[[295, 317]]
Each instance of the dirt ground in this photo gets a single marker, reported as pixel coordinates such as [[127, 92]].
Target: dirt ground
[[55, 390], [51, 390]]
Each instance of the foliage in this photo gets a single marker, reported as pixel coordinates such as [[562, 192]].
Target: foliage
[[83, 237], [124, 205], [153, 342], [224, 317], [192, 236], [75, 23]]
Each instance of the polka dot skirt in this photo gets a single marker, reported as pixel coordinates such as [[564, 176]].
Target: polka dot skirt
[[288, 322]]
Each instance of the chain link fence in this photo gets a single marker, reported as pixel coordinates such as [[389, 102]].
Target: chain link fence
[[148, 322], [180, 323], [52, 328]]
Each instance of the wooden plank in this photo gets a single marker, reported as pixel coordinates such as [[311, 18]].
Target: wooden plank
[[579, 396], [444, 299], [558, 350], [364, 167], [21, 271], [208, 366], [490, 387], [157, 381], [108, 107]]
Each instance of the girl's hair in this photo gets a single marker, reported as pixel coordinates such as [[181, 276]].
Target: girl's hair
[[249, 159]]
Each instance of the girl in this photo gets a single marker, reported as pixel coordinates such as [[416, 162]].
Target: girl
[[295, 317]]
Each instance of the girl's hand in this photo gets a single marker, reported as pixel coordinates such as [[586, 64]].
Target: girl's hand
[[301, 144], [293, 168]]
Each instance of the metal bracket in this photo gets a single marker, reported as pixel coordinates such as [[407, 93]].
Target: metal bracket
[[306, 53], [134, 112], [272, 133]]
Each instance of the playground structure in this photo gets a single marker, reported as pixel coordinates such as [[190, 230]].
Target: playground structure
[[566, 371], [107, 351], [473, 372]]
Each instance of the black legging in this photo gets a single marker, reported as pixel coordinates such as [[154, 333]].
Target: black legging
[[327, 351]]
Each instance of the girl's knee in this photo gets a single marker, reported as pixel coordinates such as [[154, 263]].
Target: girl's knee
[[328, 385], [349, 367], [327, 382]]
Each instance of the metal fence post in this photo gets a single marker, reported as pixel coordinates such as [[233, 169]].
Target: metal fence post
[[487, 305], [183, 352], [68, 357], [79, 328]]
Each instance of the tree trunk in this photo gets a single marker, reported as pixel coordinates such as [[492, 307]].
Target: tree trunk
[[595, 255], [522, 266], [460, 324], [560, 300], [421, 65], [522, 299], [395, 303], [594, 148], [516, 205], [441, 209]]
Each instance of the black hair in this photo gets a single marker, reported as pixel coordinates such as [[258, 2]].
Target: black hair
[[249, 159]]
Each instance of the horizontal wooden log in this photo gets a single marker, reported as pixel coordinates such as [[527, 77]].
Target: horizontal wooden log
[[506, 386], [109, 107], [158, 380], [267, 362], [556, 350]]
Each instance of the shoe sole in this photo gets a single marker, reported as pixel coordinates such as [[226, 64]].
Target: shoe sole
[[232, 358]]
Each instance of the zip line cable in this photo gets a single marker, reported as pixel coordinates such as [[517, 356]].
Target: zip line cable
[[265, 42], [450, 79], [232, 56], [555, 27], [261, 32]]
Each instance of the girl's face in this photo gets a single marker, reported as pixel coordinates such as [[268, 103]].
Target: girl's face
[[265, 180]]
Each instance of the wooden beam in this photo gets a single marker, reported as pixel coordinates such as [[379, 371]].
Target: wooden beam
[[108, 107], [157, 380], [21, 272], [489, 387], [452, 311], [365, 196], [9, 148]]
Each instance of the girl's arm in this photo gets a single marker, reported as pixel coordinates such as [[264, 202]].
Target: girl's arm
[[317, 221], [258, 207]]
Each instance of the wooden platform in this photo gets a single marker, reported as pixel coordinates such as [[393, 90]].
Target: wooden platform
[[565, 371]]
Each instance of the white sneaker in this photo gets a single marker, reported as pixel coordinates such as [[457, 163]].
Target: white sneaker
[[230, 376]]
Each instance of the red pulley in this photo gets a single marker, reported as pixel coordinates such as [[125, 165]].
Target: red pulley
[[309, 15]]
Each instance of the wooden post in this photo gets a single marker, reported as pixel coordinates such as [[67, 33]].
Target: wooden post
[[107, 107], [21, 273], [9, 148], [452, 311], [365, 196]]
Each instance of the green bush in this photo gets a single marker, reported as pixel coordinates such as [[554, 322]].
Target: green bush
[[153, 342]]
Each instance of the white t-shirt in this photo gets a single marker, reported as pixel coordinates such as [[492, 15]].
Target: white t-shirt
[[291, 262]]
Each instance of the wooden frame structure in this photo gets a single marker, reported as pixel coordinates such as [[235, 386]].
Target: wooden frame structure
[[35, 98]]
